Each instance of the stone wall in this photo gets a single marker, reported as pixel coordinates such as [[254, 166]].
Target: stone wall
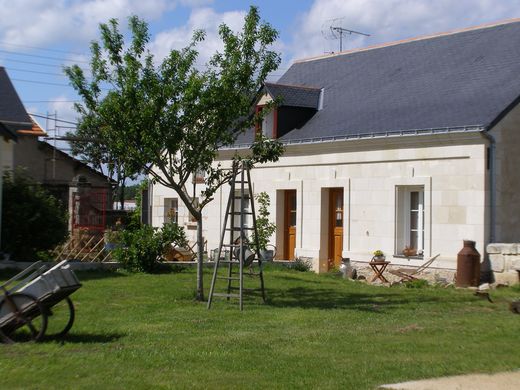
[[504, 259]]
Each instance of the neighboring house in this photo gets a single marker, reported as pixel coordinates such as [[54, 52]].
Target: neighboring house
[[129, 205], [406, 144], [57, 171]]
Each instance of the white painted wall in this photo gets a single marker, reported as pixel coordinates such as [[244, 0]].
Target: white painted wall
[[451, 167]]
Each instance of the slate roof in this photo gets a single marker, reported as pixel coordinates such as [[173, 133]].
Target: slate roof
[[294, 96], [467, 78], [12, 112]]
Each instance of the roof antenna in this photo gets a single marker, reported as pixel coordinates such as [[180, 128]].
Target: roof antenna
[[332, 29]]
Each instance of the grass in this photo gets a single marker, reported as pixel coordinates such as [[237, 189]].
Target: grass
[[316, 331]]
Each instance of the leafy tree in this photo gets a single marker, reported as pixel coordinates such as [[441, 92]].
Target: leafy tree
[[169, 119], [32, 219], [87, 143]]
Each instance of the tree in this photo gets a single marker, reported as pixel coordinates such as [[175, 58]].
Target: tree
[[170, 119], [86, 142], [32, 219]]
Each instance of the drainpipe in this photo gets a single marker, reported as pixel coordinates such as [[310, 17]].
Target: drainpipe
[[492, 184]]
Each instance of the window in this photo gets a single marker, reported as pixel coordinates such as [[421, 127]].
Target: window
[[268, 126], [410, 220], [171, 210]]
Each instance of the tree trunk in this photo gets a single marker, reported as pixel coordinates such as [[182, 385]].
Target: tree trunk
[[200, 254]]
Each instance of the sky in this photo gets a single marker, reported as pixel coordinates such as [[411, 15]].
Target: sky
[[39, 37]]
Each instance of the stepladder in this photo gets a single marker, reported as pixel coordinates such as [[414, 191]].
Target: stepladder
[[238, 257]]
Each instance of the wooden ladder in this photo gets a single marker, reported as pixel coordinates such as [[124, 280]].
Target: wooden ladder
[[241, 255]]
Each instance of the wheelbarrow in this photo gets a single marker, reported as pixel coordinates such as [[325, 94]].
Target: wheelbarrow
[[36, 303]]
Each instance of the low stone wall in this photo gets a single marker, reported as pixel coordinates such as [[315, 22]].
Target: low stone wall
[[432, 275], [504, 261]]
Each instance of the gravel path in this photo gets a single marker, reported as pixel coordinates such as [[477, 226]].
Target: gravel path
[[500, 381]]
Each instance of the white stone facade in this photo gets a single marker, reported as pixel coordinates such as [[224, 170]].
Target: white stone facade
[[504, 261], [451, 168]]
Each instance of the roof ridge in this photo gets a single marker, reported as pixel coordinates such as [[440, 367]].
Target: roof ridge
[[413, 39], [294, 86]]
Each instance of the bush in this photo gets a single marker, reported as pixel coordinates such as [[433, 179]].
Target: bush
[[417, 283], [264, 227], [143, 248], [33, 221], [302, 264]]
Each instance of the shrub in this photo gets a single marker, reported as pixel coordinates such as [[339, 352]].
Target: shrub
[[302, 264], [417, 283], [33, 221], [143, 248], [264, 227]]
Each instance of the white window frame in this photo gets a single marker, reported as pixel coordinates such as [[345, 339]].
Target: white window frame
[[171, 204], [403, 214]]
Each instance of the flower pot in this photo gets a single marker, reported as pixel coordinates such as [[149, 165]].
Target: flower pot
[[267, 254]]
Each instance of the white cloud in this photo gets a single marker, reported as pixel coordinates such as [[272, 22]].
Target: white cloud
[[40, 22], [391, 20], [201, 18], [64, 108]]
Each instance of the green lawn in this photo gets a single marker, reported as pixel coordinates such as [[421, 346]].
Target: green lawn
[[317, 331]]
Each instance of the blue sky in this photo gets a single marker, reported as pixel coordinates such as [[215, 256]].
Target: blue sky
[[31, 31]]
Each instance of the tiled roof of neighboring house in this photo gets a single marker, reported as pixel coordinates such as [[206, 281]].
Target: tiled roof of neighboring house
[[445, 81], [34, 130], [293, 95], [12, 111]]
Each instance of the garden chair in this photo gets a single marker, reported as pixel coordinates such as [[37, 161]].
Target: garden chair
[[410, 274], [187, 253]]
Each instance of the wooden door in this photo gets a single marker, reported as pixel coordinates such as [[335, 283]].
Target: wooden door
[[290, 224], [336, 218]]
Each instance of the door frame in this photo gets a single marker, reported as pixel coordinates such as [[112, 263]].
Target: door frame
[[331, 212], [286, 226]]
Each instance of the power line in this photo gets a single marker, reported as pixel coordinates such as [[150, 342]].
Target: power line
[[39, 56], [40, 82], [40, 48], [49, 101], [37, 63], [52, 118], [35, 71], [49, 83]]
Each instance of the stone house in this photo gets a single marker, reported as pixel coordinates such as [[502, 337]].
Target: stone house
[[410, 144], [55, 170]]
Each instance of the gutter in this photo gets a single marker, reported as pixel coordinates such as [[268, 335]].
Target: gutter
[[373, 135], [492, 184]]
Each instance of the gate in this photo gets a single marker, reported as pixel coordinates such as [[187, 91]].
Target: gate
[[89, 210]]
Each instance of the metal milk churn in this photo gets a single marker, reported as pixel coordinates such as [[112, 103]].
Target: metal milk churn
[[468, 265]]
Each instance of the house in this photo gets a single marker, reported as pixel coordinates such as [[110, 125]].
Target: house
[[57, 171], [406, 145]]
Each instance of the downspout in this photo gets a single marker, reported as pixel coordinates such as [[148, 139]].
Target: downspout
[[492, 184]]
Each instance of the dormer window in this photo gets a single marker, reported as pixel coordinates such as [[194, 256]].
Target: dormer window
[[294, 106], [268, 126]]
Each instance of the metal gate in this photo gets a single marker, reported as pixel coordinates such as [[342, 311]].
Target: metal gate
[[89, 210]]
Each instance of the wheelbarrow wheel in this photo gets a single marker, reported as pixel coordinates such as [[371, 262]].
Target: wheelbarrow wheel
[[60, 318], [24, 318]]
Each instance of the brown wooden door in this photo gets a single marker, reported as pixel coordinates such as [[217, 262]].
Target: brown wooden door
[[336, 218], [290, 224]]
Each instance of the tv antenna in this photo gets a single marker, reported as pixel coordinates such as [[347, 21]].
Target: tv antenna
[[333, 29]]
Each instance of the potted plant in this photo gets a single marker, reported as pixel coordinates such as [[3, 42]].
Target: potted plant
[[408, 251], [378, 256], [264, 227], [112, 239]]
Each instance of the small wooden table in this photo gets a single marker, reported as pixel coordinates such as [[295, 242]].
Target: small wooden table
[[379, 267]]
